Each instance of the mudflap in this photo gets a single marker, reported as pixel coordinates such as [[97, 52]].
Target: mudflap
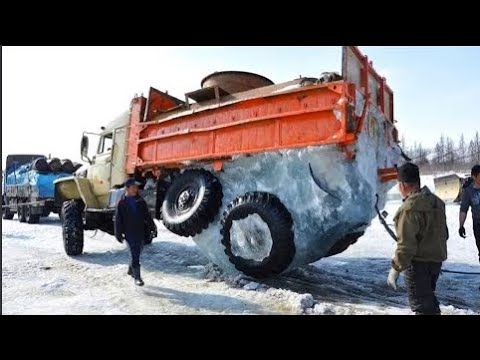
[[37, 209], [100, 219], [45, 209]]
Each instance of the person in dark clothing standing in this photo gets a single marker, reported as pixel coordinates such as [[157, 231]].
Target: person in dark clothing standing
[[422, 234], [134, 223], [471, 199]]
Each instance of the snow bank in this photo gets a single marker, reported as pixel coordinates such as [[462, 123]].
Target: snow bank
[[292, 301], [215, 274], [299, 303]]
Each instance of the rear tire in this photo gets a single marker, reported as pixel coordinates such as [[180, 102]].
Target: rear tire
[[6, 213], [72, 227], [257, 234], [21, 214], [29, 217], [191, 202]]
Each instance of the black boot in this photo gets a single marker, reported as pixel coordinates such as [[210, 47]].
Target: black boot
[[137, 277], [130, 271]]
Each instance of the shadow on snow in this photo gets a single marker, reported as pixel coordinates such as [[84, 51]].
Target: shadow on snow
[[197, 301]]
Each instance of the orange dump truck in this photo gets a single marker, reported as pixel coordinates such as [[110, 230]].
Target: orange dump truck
[[262, 176]]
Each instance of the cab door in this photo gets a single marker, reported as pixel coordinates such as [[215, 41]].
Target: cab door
[[100, 171]]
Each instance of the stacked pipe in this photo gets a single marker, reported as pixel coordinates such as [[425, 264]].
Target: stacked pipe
[[55, 165]]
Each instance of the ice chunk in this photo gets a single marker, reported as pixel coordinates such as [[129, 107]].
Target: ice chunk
[[324, 309], [251, 286], [244, 236], [306, 301], [337, 200]]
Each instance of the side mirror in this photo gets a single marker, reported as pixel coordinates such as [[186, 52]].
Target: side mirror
[[84, 148]]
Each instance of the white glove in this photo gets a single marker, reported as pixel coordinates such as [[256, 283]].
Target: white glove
[[392, 278]]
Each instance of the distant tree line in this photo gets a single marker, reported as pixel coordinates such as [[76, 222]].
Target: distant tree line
[[447, 155]]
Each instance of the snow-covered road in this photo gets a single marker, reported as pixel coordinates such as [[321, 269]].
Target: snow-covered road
[[38, 278]]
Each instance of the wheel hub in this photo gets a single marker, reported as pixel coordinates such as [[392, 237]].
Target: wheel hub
[[251, 238], [186, 199]]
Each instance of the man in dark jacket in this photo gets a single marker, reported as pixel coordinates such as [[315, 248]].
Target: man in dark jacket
[[134, 223], [471, 198], [422, 233]]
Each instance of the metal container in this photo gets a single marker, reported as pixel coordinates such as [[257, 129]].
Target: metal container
[[235, 81]]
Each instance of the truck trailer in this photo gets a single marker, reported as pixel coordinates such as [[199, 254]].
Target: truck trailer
[[27, 186]]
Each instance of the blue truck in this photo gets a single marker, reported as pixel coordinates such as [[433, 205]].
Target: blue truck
[[27, 186]]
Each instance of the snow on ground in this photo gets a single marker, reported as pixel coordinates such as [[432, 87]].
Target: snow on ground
[[38, 278]]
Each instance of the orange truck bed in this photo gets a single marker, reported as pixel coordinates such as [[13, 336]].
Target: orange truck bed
[[165, 132]]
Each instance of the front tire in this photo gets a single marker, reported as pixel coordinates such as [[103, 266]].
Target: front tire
[[257, 234], [72, 227]]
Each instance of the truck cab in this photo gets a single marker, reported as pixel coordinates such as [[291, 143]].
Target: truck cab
[[107, 165], [106, 168]]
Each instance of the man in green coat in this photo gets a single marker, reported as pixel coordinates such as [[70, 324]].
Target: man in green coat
[[422, 242]]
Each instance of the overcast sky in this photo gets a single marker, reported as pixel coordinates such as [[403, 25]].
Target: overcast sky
[[51, 94]]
